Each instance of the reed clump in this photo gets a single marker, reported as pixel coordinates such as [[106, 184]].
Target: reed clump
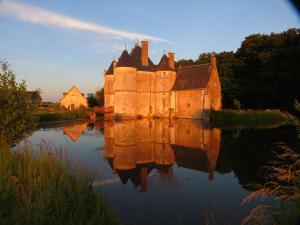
[[43, 187]]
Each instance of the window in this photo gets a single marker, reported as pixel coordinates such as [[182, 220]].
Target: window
[[73, 98]]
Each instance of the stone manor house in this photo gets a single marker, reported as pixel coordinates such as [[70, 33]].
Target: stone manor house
[[135, 87]]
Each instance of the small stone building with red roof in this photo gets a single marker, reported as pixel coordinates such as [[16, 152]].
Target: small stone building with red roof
[[135, 87]]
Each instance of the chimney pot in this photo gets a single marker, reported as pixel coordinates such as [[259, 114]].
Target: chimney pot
[[144, 53]]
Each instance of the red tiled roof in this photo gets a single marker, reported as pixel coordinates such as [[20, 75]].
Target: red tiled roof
[[192, 77]]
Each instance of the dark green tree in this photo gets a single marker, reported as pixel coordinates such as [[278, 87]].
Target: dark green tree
[[92, 100], [269, 73]]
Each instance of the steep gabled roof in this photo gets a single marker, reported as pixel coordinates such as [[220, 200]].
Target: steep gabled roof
[[163, 64], [124, 60], [192, 77], [136, 59], [111, 68], [65, 94]]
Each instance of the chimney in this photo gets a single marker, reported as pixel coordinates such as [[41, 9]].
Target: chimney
[[213, 61], [171, 59], [144, 53]]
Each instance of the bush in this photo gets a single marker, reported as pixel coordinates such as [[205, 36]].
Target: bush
[[63, 115], [250, 118], [17, 110]]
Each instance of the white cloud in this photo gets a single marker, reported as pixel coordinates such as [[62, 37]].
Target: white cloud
[[40, 16], [25, 63], [109, 47]]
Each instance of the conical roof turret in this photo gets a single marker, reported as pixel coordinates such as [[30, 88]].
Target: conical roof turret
[[124, 60], [163, 64]]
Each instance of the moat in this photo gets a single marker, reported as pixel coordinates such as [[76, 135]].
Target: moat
[[170, 172]]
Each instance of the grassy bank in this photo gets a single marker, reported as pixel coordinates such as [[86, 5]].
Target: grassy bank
[[63, 115], [249, 118], [44, 188]]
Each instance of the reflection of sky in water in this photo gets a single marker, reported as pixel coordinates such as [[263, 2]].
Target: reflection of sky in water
[[174, 194]]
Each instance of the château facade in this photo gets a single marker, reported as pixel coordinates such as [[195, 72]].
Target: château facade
[[135, 87]]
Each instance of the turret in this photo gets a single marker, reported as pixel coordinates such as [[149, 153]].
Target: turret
[[164, 80], [125, 86], [109, 85]]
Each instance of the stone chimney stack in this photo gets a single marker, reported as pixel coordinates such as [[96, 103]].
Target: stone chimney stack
[[145, 53], [171, 59], [213, 61]]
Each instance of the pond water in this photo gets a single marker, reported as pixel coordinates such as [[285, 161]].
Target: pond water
[[160, 172]]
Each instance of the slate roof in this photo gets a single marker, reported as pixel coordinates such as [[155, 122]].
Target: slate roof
[[192, 77], [125, 60], [191, 158], [136, 59], [111, 68], [163, 64]]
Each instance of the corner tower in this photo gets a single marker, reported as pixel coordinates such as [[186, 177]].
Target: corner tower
[[125, 87], [109, 86]]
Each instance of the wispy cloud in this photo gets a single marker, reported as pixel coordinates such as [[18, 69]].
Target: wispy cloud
[[40, 16], [25, 63], [108, 47]]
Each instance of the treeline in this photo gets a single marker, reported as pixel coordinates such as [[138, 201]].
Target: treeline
[[263, 73]]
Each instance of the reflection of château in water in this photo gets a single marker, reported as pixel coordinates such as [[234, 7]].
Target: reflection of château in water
[[135, 147], [75, 130]]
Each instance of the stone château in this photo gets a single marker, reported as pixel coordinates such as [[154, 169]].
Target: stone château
[[135, 87]]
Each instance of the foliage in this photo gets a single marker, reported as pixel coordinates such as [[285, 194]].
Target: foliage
[[269, 74], [35, 97], [62, 115], [17, 110], [96, 99], [43, 187], [250, 118], [263, 73]]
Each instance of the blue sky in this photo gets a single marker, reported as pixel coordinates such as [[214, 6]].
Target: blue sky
[[54, 44]]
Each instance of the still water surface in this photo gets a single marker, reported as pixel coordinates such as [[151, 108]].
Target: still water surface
[[159, 172]]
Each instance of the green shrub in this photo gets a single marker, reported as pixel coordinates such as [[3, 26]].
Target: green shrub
[[250, 118], [62, 115]]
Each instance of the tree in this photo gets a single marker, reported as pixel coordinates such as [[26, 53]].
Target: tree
[[269, 75], [17, 110], [92, 100], [96, 99]]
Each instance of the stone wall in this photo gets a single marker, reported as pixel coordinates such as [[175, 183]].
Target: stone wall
[[125, 92], [109, 90], [189, 103], [164, 81]]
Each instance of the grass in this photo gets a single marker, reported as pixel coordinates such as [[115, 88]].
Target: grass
[[43, 187], [62, 115], [247, 119], [283, 184]]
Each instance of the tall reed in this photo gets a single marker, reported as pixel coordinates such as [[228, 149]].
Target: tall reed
[[43, 187]]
